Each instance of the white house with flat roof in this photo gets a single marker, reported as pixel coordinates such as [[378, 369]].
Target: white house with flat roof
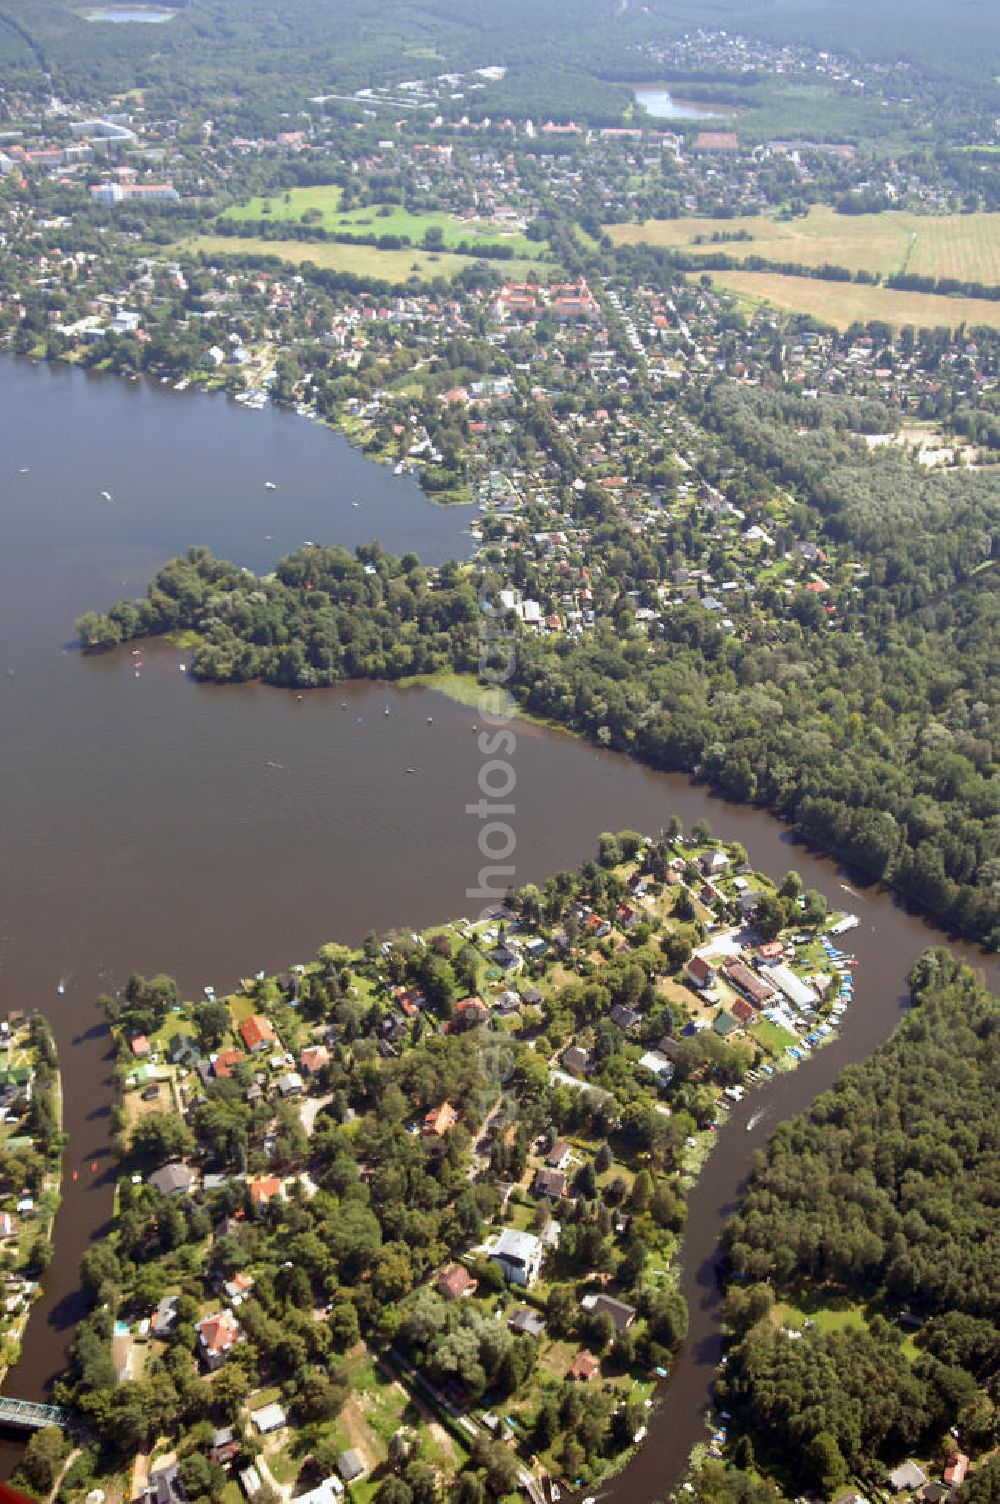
[[519, 1255]]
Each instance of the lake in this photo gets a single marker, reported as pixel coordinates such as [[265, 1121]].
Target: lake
[[154, 824], [658, 102]]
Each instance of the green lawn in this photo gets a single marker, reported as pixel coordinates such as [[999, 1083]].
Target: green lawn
[[322, 205], [837, 1318], [395, 267], [773, 1038]]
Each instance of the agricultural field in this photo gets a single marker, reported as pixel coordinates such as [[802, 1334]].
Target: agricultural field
[[320, 206], [841, 304], [965, 246], [396, 267]]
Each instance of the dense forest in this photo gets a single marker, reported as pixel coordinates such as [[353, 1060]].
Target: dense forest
[[882, 1198], [589, 48]]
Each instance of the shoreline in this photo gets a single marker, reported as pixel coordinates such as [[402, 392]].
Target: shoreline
[[49, 1195], [171, 1067]]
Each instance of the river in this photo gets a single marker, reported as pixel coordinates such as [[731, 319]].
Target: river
[[154, 824]]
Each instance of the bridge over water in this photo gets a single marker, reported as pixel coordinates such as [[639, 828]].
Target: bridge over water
[[31, 1415]]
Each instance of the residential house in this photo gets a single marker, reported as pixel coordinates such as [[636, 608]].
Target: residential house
[[411, 1000], [225, 1446], [454, 1282], [257, 1033], [164, 1318], [576, 1060], [659, 1065], [250, 1481], [621, 1313], [350, 1465], [217, 1336], [559, 1155], [314, 1058], [743, 1012], [182, 1050], [440, 1120], [470, 1012], [173, 1180], [584, 1367], [519, 1255], [509, 961], [907, 1476], [956, 1469], [223, 1062], [237, 1288], [264, 1189], [526, 1322], [290, 1084], [269, 1418], [550, 1183], [700, 973], [714, 862], [329, 1491], [164, 1486], [624, 1018]]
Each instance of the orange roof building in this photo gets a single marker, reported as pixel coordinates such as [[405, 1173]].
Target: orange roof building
[[585, 1367], [313, 1059], [440, 1120], [265, 1189], [257, 1033], [224, 1061]]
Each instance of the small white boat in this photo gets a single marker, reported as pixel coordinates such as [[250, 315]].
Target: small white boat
[[61, 988], [23, 470], [106, 495], [355, 503], [270, 485]]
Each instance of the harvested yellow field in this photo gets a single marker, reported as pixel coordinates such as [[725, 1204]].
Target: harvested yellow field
[[966, 246], [844, 303], [355, 260]]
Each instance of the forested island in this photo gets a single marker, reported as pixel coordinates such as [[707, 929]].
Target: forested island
[[864, 1268]]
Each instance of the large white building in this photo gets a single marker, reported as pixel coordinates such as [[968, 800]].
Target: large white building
[[519, 1255]]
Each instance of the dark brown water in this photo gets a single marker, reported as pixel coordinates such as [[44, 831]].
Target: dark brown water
[[153, 824]]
